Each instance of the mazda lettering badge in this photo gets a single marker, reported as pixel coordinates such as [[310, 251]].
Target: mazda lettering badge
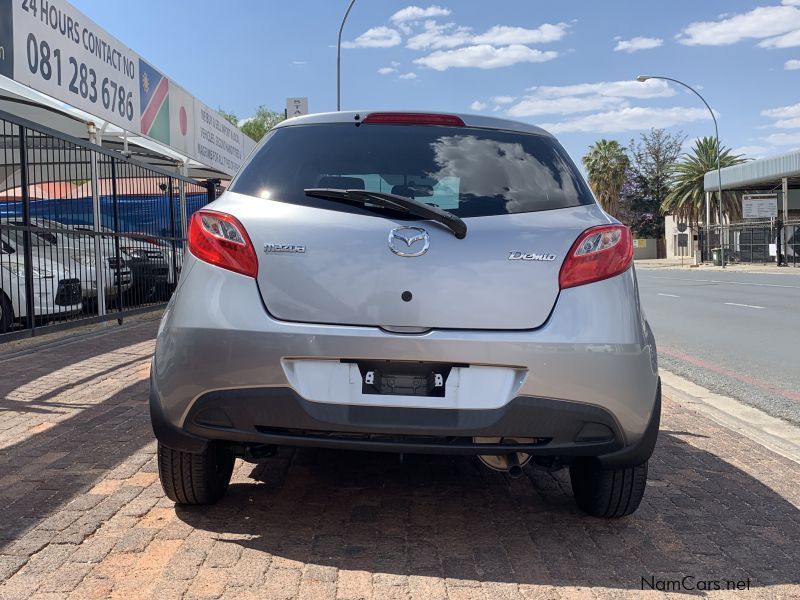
[[409, 241]]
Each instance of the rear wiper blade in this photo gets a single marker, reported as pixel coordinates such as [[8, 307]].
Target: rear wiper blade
[[394, 202]]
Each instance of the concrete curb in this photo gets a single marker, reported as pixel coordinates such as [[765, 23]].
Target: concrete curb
[[775, 434], [647, 264]]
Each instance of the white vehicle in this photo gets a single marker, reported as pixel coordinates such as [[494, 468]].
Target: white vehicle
[[76, 252], [55, 293]]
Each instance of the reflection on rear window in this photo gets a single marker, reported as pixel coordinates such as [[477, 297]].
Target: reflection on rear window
[[469, 172]]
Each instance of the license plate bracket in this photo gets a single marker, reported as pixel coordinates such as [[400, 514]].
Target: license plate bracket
[[400, 378]]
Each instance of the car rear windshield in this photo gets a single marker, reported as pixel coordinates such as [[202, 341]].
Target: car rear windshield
[[467, 171]]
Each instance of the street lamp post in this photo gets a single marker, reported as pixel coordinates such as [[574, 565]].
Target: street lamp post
[[339, 59], [642, 79]]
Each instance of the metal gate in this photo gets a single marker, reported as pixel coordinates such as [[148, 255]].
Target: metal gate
[[755, 242], [86, 233]]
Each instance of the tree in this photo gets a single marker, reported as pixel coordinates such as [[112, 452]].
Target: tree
[[687, 198], [229, 117], [257, 126], [648, 180], [606, 164]]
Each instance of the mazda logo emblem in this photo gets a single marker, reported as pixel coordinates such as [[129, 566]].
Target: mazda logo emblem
[[409, 241]]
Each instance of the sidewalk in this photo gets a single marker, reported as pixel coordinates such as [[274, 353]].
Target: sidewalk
[[688, 264], [84, 515]]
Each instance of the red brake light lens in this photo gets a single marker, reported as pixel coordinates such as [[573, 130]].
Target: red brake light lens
[[219, 239], [598, 253], [413, 119]]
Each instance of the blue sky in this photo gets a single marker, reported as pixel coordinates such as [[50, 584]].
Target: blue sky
[[567, 65]]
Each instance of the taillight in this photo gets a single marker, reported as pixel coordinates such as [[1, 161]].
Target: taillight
[[598, 253], [220, 239], [413, 119]]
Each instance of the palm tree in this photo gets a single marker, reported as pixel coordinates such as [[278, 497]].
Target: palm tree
[[686, 200], [606, 164]]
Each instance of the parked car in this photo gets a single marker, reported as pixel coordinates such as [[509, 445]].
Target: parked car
[[406, 282], [153, 276], [55, 293], [76, 252], [154, 244]]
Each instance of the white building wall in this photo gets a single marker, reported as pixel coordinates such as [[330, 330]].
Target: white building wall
[[671, 236]]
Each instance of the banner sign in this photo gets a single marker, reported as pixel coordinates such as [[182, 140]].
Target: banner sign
[[6, 40], [759, 206], [52, 47], [296, 107]]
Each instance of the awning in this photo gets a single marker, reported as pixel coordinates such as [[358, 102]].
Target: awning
[[39, 108], [757, 175]]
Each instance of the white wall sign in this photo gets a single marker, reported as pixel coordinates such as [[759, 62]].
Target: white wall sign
[[296, 107], [759, 206], [217, 142], [52, 47]]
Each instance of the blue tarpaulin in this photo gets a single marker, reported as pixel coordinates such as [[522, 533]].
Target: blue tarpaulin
[[137, 214]]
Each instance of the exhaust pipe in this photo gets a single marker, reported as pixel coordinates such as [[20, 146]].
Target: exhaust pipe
[[511, 463], [514, 469]]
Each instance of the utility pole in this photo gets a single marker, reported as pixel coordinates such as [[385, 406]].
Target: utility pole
[[339, 59], [642, 79]]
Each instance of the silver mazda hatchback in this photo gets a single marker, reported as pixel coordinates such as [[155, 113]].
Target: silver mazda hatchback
[[409, 283]]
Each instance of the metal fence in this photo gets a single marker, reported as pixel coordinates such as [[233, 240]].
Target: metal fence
[[86, 234], [755, 242]]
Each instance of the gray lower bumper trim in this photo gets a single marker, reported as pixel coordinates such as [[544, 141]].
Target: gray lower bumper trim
[[280, 416]]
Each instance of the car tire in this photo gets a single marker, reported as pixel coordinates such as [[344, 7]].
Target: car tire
[[200, 478], [6, 313], [607, 493]]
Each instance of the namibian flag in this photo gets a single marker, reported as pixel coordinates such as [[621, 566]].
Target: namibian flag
[[154, 102]]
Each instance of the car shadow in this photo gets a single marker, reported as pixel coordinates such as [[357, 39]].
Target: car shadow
[[73, 414], [451, 517]]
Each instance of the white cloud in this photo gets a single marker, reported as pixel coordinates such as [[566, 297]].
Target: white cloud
[[629, 119], [782, 112], [785, 117], [532, 106], [787, 40], [415, 13], [783, 139], [450, 35], [751, 151], [767, 23], [484, 56], [638, 43], [410, 75], [478, 105], [793, 123], [386, 71], [376, 37], [437, 36], [652, 88], [792, 64], [585, 97], [503, 35], [503, 99]]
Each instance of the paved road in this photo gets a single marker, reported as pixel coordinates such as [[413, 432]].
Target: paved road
[[737, 334], [83, 514]]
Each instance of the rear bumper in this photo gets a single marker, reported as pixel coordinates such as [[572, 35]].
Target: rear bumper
[[218, 348], [278, 415]]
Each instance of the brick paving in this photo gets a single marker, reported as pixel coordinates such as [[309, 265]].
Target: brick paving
[[82, 514]]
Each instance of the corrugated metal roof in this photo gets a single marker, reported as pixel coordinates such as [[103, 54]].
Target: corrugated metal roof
[[755, 172]]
